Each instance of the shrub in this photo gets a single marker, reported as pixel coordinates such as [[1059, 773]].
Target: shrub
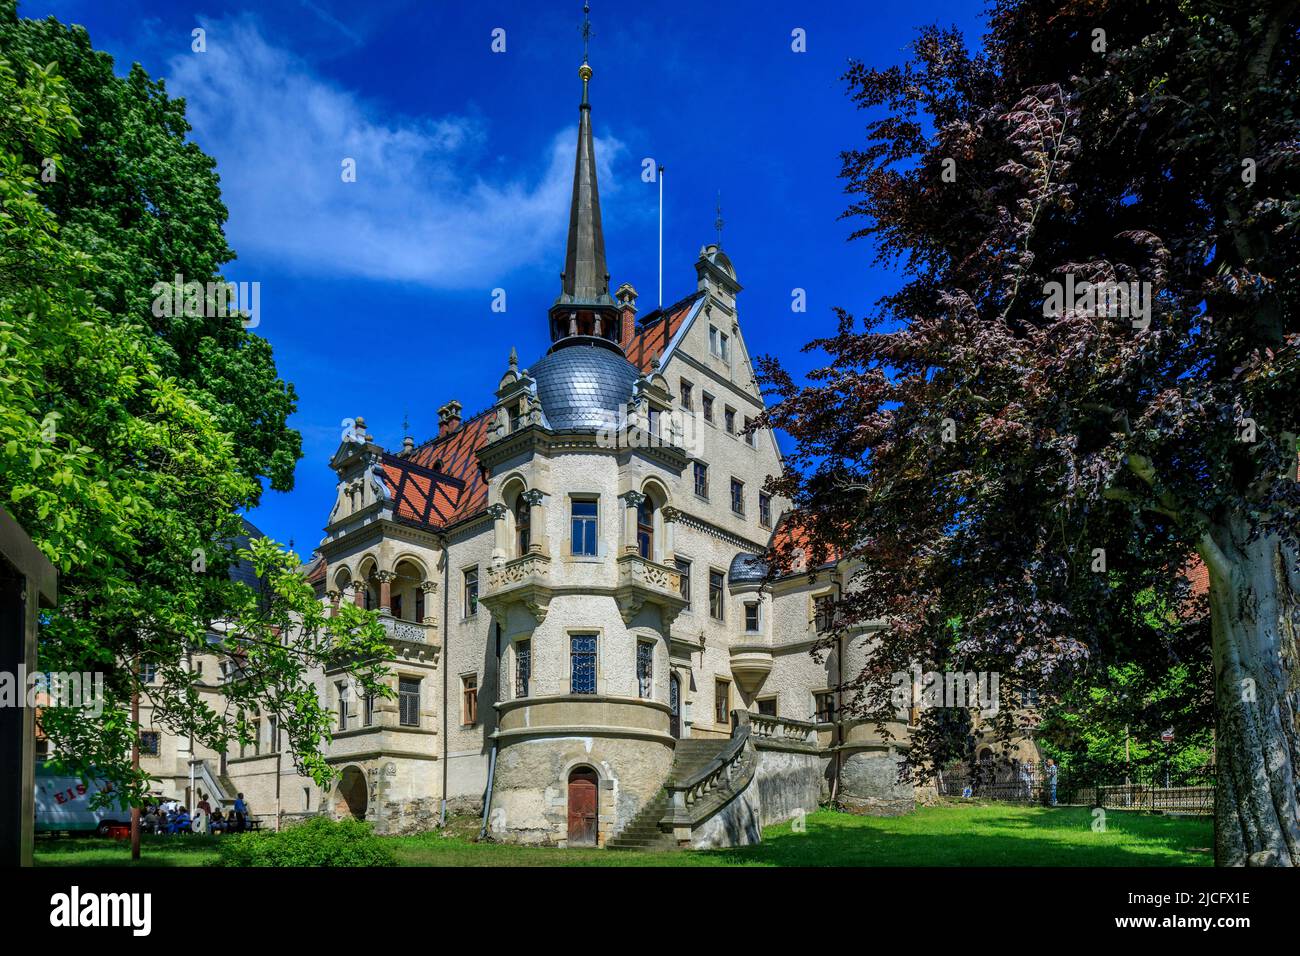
[[318, 842]]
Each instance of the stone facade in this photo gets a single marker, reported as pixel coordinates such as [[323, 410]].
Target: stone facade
[[569, 584]]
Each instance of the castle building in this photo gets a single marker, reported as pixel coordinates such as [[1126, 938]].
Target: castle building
[[587, 650]]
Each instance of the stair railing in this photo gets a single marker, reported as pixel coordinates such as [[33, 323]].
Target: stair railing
[[722, 771]]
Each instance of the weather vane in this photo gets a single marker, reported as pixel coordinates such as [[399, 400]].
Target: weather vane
[[586, 29], [717, 223]]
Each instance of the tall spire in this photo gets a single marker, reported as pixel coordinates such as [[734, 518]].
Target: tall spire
[[584, 306]]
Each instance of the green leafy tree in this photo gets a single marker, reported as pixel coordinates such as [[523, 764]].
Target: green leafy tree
[[127, 477]]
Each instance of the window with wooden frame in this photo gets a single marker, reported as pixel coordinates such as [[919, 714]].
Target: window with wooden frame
[[824, 707], [706, 404], [523, 526], [765, 509], [471, 592], [824, 613], [686, 395], [751, 617], [583, 513], [767, 706], [468, 700], [701, 479], [722, 701], [408, 699], [645, 528], [737, 496], [717, 604], [149, 743], [341, 690], [684, 576]]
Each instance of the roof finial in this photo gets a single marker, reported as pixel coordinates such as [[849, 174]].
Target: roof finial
[[717, 223], [585, 70], [514, 359]]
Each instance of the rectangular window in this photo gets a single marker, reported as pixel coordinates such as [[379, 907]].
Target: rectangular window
[[825, 706], [523, 667], [749, 434], [684, 587], [408, 699], [471, 592], [469, 700], [149, 740], [368, 710], [765, 509], [687, 396], [582, 653], [715, 594], [722, 702], [751, 616], [257, 737], [148, 673], [724, 347], [737, 496], [645, 668], [342, 690], [583, 520], [702, 479], [767, 706], [713, 340], [824, 613], [729, 420], [273, 733], [706, 403]]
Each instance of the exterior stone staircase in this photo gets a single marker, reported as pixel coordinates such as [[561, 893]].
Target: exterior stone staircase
[[645, 831]]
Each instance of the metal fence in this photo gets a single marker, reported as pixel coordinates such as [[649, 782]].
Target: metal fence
[[1029, 782]]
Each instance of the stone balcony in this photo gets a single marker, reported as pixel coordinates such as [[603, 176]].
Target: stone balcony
[[409, 632], [642, 582], [525, 580], [750, 664]]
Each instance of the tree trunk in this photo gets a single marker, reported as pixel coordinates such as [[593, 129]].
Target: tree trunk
[[1255, 611]]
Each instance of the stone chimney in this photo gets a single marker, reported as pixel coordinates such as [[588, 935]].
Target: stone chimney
[[626, 296], [449, 418]]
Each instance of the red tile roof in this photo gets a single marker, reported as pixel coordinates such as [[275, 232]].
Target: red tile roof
[[441, 483], [652, 336]]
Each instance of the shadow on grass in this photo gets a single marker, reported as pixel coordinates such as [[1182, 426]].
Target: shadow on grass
[[155, 851], [983, 836]]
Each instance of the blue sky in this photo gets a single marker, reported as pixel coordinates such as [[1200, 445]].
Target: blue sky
[[376, 295]]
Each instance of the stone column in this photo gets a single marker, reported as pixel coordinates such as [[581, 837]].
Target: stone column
[[334, 597], [430, 591], [632, 500], [501, 545], [358, 593], [536, 521], [670, 516], [385, 579]]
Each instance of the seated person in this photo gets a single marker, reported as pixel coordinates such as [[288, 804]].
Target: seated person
[[218, 824]]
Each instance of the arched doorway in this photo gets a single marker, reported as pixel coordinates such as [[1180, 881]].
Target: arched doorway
[[675, 705], [352, 797], [583, 788]]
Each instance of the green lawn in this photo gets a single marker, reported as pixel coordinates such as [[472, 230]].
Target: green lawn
[[949, 835]]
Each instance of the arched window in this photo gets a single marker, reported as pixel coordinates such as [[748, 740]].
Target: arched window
[[523, 526], [645, 528]]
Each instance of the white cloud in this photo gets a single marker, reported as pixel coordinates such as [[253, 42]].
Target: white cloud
[[419, 210]]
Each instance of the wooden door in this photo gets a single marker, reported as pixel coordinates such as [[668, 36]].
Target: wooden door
[[582, 807]]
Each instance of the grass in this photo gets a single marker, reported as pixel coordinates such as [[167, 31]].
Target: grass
[[948, 835]]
